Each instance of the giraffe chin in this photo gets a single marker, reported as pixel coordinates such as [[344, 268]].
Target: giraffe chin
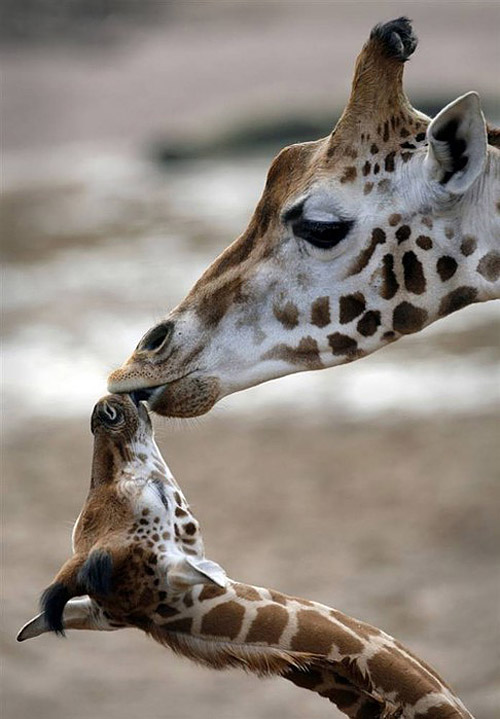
[[186, 397]]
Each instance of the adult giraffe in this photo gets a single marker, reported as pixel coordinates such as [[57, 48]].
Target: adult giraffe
[[369, 234]]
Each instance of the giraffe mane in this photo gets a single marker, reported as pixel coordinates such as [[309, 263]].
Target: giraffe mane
[[341, 682], [219, 654]]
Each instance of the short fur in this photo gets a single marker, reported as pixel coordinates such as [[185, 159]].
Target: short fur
[[373, 210], [145, 567], [52, 603], [96, 573]]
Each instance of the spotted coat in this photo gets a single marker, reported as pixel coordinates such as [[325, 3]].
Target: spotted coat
[[139, 556], [370, 234]]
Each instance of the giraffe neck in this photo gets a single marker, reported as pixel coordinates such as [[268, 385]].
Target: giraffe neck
[[483, 225], [310, 644], [465, 232], [163, 521]]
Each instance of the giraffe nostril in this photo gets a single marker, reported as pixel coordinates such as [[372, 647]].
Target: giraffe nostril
[[155, 338]]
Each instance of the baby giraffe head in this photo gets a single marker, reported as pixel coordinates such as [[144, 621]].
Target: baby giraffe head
[[360, 238], [136, 545]]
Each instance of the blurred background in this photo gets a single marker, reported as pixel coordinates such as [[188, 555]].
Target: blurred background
[[136, 139]]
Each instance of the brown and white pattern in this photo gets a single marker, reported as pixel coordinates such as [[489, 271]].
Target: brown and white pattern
[[139, 562], [372, 233]]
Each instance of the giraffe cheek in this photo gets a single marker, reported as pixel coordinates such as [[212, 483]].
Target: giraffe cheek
[[187, 397]]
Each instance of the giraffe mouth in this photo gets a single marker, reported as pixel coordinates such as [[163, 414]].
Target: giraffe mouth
[[144, 394], [190, 395]]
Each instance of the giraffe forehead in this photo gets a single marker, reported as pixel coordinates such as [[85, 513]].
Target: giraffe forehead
[[339, 178], [323, 177]]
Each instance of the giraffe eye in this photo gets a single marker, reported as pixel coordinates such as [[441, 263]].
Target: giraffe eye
[[324, 235]]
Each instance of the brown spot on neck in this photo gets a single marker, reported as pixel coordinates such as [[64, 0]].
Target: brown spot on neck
[[184, 625], [403, 233], [278, 597], [389, 161], [387, 671], [320, 312], [305, 354], [245, 591], [394, 220], [166, 611], [224, 620], [210, 591], [287, 315], [456, 300], [390, 284], [349, 174], [369, 323], [413, 273], [446, 267], [424, 242], [318, 634], [268, 625], [468, 245], [342, 344], [407, 318], [489, 266], [350, 307]]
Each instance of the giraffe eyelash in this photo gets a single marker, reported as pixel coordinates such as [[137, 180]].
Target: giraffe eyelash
[[324, 235]]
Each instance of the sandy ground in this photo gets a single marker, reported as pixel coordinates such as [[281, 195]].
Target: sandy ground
[[395, 524]]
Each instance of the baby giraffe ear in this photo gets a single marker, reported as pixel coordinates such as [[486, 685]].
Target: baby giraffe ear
[[457, 144], [189, 571]]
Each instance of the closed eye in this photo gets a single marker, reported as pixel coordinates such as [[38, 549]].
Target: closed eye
[[324, 235]]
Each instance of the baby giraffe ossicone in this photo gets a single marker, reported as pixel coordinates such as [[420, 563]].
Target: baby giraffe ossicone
[[139, 561]]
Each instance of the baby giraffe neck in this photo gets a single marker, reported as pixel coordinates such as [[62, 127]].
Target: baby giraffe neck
[[359, 668]]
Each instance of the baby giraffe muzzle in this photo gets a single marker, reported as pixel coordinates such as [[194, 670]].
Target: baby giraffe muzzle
[[139, 561]]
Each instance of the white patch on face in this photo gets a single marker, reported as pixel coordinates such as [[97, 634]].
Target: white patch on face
[[160, 508]]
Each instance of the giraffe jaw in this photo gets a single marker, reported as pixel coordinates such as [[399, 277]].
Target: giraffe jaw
[[189, 396]]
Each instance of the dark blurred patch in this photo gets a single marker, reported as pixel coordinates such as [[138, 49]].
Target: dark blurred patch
[[269, 135], [254, 136]]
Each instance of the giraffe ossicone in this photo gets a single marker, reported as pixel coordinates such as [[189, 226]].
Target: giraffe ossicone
[[372, 233], [139, 561]]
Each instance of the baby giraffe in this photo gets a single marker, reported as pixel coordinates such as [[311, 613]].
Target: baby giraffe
[[139, 561]]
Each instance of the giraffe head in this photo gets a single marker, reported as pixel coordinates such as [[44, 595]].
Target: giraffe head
[[136, 543], [360, 238]]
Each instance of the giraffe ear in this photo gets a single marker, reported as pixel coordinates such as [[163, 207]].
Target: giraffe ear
[[457, 139], [189, 571], [36, 626]]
